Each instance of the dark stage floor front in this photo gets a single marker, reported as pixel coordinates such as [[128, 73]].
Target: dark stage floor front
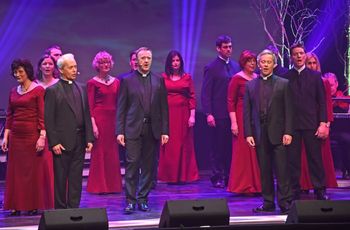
[[240, 206]]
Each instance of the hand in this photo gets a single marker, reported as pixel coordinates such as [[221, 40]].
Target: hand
[[234, 128], [121, 139], [4, 145], [211, 120], [250, 141], [287, 139], [89, 147], [95, 130], [40, 144], [191, 121], [57, 149], [164, 139], [322, 131]]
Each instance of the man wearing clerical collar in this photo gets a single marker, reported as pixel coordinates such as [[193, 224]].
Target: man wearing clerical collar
[[69, 132], [142, 121], [268, 115]]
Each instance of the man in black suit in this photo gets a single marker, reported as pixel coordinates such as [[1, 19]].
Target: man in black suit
[[142, 120], [268, 115], [69, 132], [217, 76], [310, 122]]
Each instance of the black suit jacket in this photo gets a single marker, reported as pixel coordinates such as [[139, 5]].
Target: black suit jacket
[[309, 99], [60, 122], [217, 76], [130, 113], [280, 110]]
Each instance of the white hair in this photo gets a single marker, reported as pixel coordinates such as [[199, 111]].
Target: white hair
[[63, 59], [267, 51]]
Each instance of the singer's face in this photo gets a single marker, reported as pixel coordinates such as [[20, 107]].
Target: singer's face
[[47, 67], [225, 50], [55, 53], [69, 70], [20, 74], [266, 64], [133, 62], [298, 57], [176, 63], [144, 59]]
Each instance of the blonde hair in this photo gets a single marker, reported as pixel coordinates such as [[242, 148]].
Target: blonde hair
[[100, 56]]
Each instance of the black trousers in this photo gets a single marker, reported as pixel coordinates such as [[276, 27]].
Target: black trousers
[[140, 154], [314, 159], [273, 158], [68, 170], [221, 149]]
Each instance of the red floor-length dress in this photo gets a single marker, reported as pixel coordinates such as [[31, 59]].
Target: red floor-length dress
[[245, 171], [104, 174], [28, 179], [327, 158], [177, 159]]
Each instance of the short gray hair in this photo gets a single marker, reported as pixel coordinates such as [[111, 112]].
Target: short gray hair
[[143, 48], [266, 51], [63, 59]]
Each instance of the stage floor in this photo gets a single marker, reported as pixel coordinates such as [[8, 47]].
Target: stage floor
[[240, 206]]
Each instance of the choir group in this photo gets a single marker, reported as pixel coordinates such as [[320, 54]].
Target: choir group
[[263, 120]]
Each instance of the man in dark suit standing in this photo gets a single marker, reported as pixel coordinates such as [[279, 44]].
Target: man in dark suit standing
[[217, 76], [69, 132], [310, 122], [268, 115], [142, 120]]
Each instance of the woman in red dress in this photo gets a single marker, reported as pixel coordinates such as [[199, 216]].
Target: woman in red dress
[[245, 172], [312, 62], [27, 186], [177, 159], [104, 174]]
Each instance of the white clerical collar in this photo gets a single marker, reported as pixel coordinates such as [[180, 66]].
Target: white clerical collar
[[266, 77], [143, 74], [299, 70], [225, 60], [68, 81]]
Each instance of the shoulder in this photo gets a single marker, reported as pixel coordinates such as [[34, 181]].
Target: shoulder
[[281, 79]]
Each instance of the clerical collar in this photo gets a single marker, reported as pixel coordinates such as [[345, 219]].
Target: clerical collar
[[225, 60], [143, 74], [299, 70], [266, 77], [69, 82]]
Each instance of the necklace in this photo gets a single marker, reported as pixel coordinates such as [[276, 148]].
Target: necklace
[[105, 79], [25, 89]]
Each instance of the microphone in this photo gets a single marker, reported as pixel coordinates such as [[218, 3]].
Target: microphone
[[78, 73]]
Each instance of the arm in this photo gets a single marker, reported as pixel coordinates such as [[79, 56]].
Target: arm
[[121, 112], [206, 96], [321, 100], [192, 104], [49, 117], [40, 144], [289, 114], [8, 125], [248, 133], [232, 97], [165, 112], [91, 100]]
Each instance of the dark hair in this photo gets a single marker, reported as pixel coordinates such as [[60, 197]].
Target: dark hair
[[131, 54], [223, 39], [39, 73], [48, 50], [296, 45], [27, 66], [245, 56], [168, 64]]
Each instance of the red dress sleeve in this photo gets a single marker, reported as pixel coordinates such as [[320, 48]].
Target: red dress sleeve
[[329, 106], [232, 94], [40, 103], [91, 96], [9, 113], [192, 101]]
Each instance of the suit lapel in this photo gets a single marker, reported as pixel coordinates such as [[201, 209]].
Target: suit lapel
[[256, 93], [154, 87], [136, 82], [274, 88]]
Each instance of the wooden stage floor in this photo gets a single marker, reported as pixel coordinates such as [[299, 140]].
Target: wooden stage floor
[[240, 206]]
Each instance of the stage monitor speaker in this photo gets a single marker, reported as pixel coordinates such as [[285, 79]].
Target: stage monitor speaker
[[319, 211], [77, 219], [190, 213]]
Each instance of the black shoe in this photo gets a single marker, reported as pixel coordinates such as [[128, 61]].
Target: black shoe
[[143, 207], [14, 213], [33, 212], [219, 184], [284, 210], [321, 195], [130, 208], [263, 208]]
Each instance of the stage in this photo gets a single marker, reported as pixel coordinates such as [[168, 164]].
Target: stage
[[240, 206]]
